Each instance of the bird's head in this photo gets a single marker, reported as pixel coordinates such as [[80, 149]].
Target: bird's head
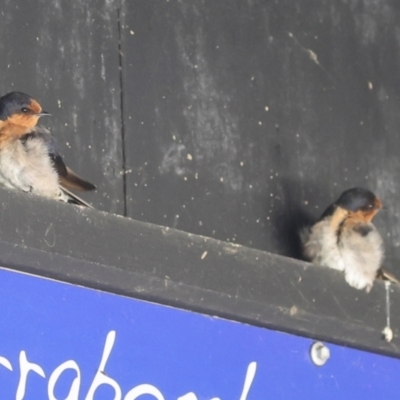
[[359, 202], [20, 109]]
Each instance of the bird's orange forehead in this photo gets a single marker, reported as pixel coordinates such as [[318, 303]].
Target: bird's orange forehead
[[35, 106], [378, 204], [367, 216]]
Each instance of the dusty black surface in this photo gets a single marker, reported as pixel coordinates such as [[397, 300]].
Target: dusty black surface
[[239, 120], [246, 119], [65, 54]]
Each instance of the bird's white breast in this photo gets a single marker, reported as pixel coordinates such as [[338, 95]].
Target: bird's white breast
[[362, 255], [28, 167], [357, 250], [320, 246]]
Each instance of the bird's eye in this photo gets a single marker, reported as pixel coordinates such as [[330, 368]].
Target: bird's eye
[[24, 110], [370, 206]]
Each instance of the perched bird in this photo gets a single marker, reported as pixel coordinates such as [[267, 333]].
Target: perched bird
[[345, 239], [29, 157]]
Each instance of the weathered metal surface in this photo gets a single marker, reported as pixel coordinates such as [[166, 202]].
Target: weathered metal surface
[[141, 260]]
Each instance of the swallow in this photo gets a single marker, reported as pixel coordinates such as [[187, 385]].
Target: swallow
[[345, 239], [29, 156]]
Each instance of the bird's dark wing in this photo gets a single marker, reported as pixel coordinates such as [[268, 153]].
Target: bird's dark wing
[[385, 275], [68, 178], [74, 199], [58, 164], [328, 212], [74, 182], [52, 147]]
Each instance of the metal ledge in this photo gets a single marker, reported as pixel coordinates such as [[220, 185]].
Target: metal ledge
[[141, 260]]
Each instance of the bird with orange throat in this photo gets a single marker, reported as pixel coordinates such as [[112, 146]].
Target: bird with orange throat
[[345, 239], [29, 157]]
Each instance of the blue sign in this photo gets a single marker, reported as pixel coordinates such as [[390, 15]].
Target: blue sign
[[59, 341]]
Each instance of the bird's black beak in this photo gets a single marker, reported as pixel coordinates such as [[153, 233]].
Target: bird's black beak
[[43, 114]]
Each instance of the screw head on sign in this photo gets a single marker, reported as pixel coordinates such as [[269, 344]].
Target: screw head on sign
[[319, 354]]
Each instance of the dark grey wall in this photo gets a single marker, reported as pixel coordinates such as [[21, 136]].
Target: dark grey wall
[[66, 55], [241, 119], [245, 118]]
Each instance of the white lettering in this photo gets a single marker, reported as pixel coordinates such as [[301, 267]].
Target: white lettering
[[25, 367], [5, 363], [251, 372], [74, 391], [144, 389], [101, 378], [192, 396], [188, 396]]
